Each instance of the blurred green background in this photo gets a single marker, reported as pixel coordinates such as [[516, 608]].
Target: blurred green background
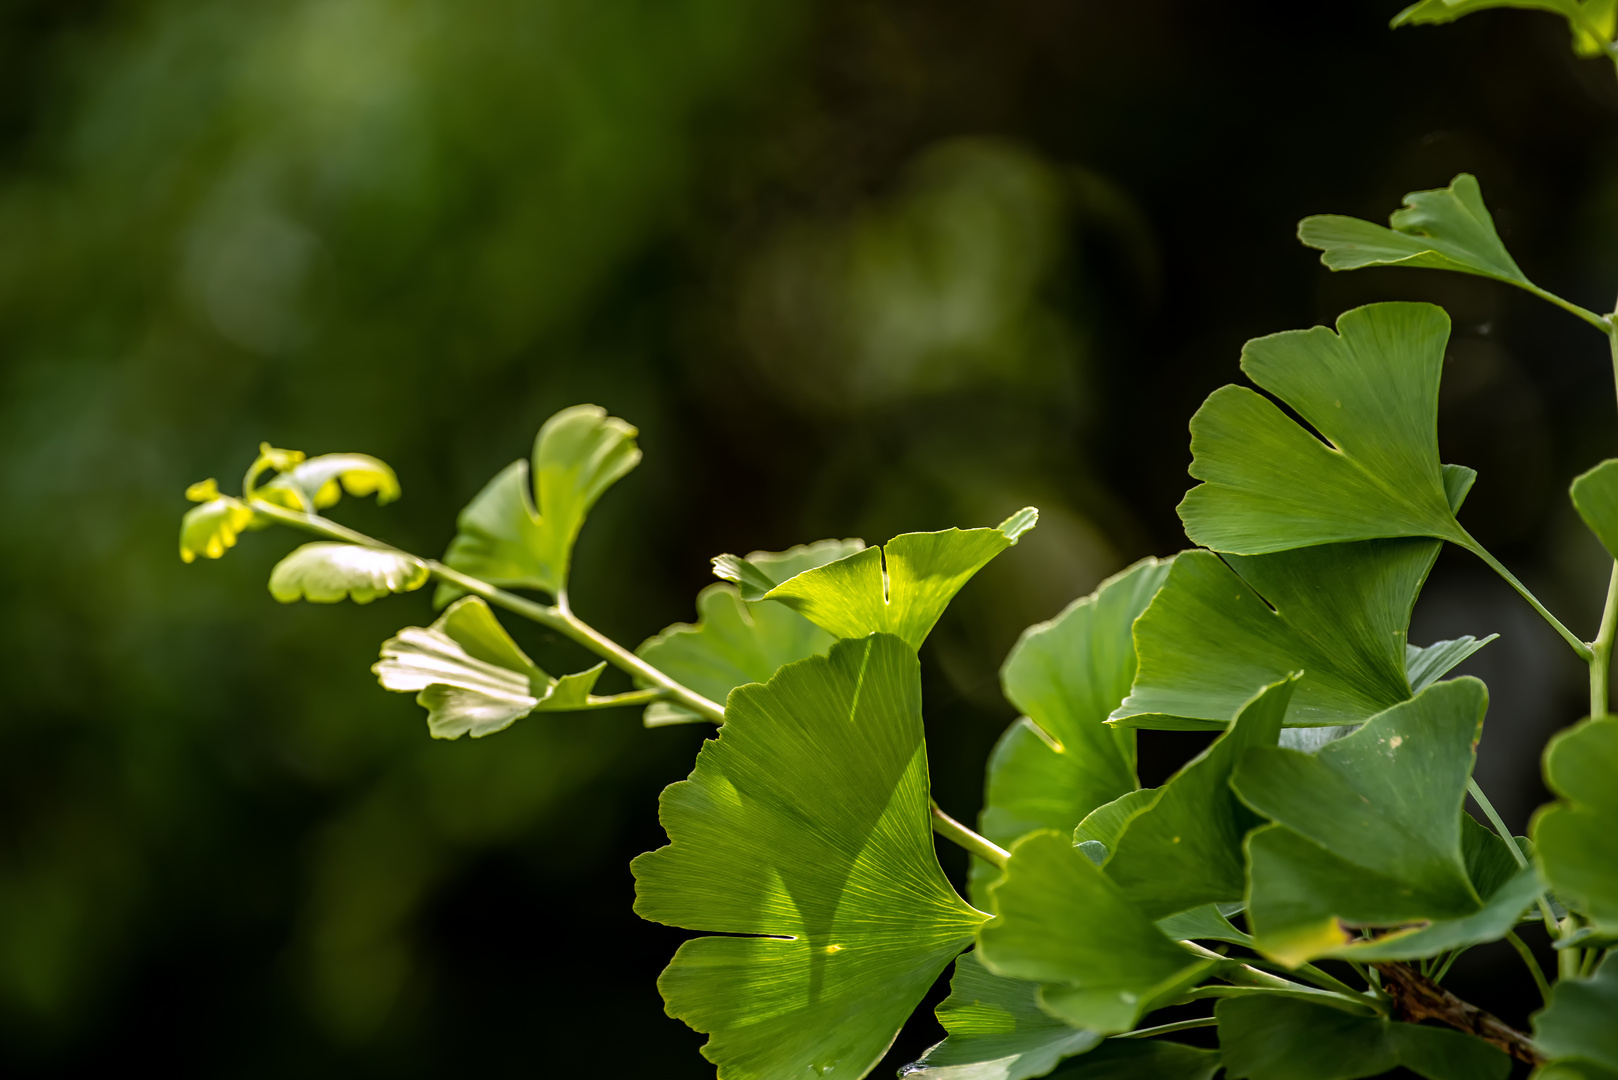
[[853, 268]]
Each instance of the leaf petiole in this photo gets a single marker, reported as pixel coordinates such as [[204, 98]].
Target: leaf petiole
[[1580, 647], [1357, 1004], [1533, 965], [973, 842], [1164, 1029], [1601, 647]]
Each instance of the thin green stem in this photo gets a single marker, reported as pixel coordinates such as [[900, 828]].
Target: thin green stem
[[1568, 961], [1612, 330], [1578, 646], [556, 618], [1356, 1003], [1164, 1029], [1600, 322], [1498, 822], [973, 842], [1313, 974], [1533, 965], [1443, 969], [1601, 662], [632, 697]]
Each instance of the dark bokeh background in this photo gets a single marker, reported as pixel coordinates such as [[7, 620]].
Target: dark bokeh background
[[853, 268]]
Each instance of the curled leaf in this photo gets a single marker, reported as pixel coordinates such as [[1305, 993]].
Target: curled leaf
[[211, 528], [319, 482], [325, 573]]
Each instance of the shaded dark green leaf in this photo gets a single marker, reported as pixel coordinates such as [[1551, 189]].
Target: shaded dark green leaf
[[1579, 1026], [1576, 839]]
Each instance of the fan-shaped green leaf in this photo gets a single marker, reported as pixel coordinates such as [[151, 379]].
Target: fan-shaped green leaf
[[1577, 1026], [1595, 496], [1060, 761], [1371, 391], [471, 677], [1184, 848], [1576, 839], [762, 571], [319, 482], [806, 822], [324, 573], [1592, 22], [1052, 903], [901, 588], [997, 1030], [519, 530], [1272, 1038], [1367, 831], [211, 529]]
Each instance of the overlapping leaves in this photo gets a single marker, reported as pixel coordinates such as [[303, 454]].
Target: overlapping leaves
[[1576, 1029], [325, 573]]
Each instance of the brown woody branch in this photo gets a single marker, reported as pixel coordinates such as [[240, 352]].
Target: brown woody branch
[[1415, 998]]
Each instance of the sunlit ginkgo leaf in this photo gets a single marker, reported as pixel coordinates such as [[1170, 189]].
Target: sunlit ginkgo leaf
[[325, 573]]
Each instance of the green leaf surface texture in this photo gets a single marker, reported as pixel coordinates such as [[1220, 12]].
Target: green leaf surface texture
[[518, 532], [1184, 848], [805, 823], [1443, 229], [325, 573], [1576, 838], [1371, 391], [997, 1031], [1368, 830], [1063, 922], [1595, 497], [1579, 1026], [1273, 1038], [901, 588], [1060, 761], [762, 571], [471, 677], [319, 482]]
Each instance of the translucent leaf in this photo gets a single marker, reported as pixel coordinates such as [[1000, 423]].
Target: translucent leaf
[[1367, 831], [325, 573], [805, 825], [1184, 848], [1444, 229], [1595, 497], [1576, 839], [1059, 762], [1272, 1038], [1577, 1026], [762, 571], [319, 482], [471, 677], [901, 588], [1371, 391], [997, 1030], [1598, 15], [519, 530], [1051, 902], [211, 528]]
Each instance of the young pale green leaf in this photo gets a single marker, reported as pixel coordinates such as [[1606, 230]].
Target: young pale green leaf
[[901, 588], [806, 824], [1577, 1027], [1591, 22], [1576, 839], [1367, 831], [318, 482], [762, 571], [211, 529], [519, 530], [1595, 497], [1063, 922], [1205, 923], [1059, 762], [325, 573], [997, 1031], [471, 677], [1273, 1038], [1371, 391], [1184, 849]]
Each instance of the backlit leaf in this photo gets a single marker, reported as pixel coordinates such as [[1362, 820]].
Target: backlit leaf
[[1595, 496], [211, 528], [1368, 830], [805, 824], [762, 571], [1577, 1026], [325, 573], [901, 588], [1064, 923], [1576, 839], [319, 482], [1598, 15], [1272, 1038], [519, 530], [471, 677], [1371, 390]]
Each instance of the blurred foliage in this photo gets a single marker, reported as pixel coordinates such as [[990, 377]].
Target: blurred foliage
[[852, 268]]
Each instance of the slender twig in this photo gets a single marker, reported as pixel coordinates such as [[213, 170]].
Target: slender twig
[[1533, 965], [1320, 978], [1601, 661], [1449, 962], [1416, 998], [1600, 322], [1581, 648], [1355, 1003], [1498, 822], [1164, 1029], [973, 842]]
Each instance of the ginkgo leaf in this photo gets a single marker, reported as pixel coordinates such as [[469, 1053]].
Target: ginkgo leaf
[[1591, 22], [1064, 923], [901, 588], [1576, 1026], [762, 571], [805, 825], [1367, 832], [1576, 839], [1184, 848], [211, 529], [519, 530], [318, 482], [471, 677], [1272, 1038], [997, 1031], [325, 573], [1371, 390], [1595, 497], [1105, 823], [1059, 762]]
